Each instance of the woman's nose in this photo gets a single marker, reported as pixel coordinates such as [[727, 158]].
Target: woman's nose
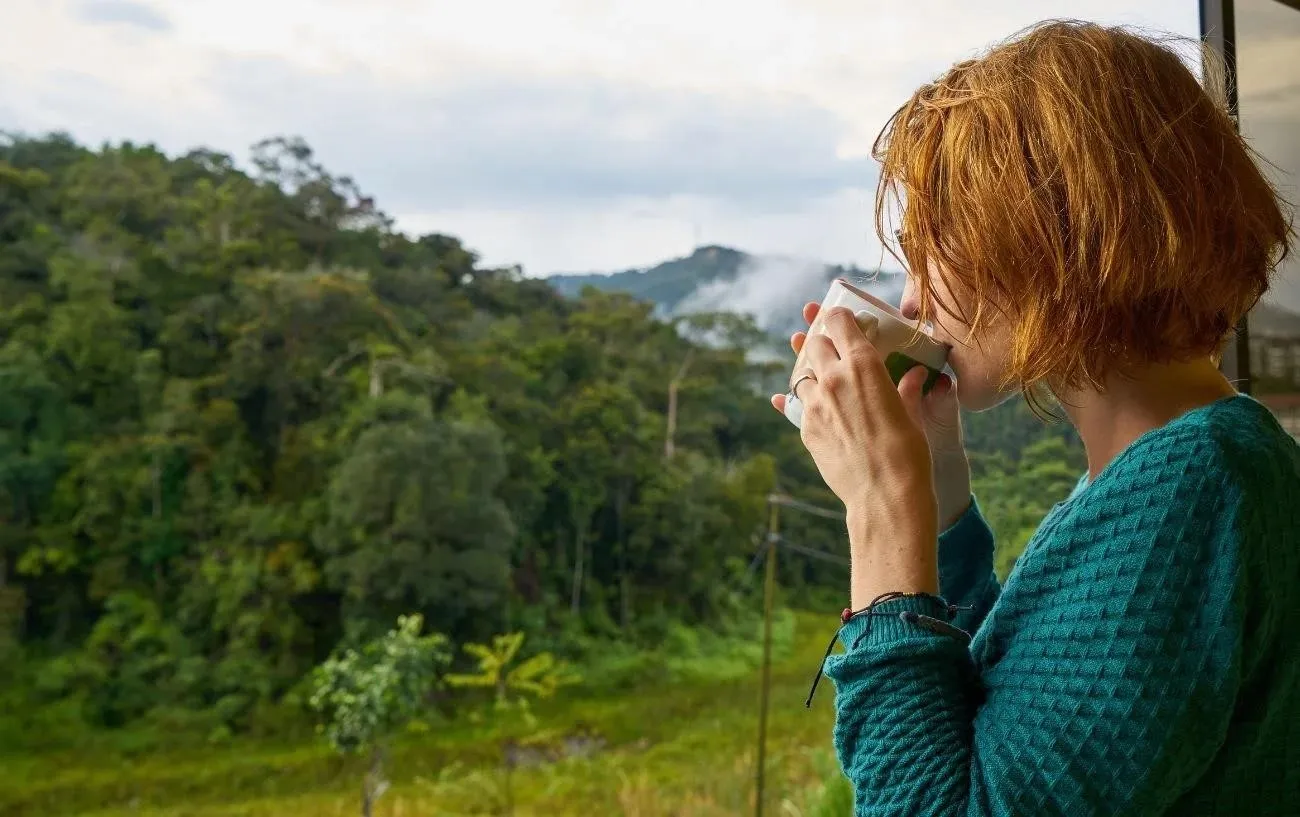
[[910, 306]]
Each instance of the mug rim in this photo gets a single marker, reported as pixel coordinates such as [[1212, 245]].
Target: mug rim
[[888, 308]]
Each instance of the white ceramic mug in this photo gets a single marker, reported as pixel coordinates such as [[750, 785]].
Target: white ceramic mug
[[905, 344]]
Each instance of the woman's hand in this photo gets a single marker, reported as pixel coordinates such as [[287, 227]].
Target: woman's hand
[[943, 432], [868, 441]]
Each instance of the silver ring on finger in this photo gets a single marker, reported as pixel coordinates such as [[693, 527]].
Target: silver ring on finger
[[794, 388]]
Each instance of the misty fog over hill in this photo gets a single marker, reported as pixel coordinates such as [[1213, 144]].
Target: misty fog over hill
[[771, 288]]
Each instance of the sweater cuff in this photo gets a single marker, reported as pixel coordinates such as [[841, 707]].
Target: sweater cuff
[[965, 552], [886, 627]]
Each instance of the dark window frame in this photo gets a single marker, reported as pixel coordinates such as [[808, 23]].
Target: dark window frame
[[1219, 31]]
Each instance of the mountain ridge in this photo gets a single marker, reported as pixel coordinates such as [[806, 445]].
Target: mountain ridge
[[771, 288]]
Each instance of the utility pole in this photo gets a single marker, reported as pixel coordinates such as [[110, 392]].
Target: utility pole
[[774, 504], [769, 594]]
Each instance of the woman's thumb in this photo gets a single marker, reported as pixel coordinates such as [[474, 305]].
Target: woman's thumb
[[910, 387], [942, 415]]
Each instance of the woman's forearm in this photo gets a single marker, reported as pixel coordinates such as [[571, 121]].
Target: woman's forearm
[[891, 552]]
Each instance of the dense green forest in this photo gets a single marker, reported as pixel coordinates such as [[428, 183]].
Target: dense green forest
[[243, 420]]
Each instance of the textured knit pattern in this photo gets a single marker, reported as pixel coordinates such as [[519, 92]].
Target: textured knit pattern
[[1142, 659]]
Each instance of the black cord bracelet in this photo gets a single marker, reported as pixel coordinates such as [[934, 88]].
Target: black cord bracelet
[[929, 623]]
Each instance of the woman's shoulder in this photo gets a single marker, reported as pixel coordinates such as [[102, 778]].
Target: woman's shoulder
[[1256, 461], [1206, 507], [1238, 446], [1222, 479], [1232, 445], [1194, 475], [1224, 471], [1248, 438]]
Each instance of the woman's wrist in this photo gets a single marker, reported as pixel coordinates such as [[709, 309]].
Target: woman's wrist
[[871, 526], [952, 488], [891, 550]]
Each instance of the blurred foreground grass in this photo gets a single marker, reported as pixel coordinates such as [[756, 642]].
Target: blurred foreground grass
[[679, 743]]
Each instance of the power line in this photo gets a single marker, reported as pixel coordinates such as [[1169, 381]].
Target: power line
[[812, 552], [759, 550], [791, 502]]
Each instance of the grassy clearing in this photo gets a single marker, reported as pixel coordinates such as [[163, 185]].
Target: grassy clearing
[[682, 743]]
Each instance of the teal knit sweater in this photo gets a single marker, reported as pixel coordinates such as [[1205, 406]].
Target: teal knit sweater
[[1143, 657]]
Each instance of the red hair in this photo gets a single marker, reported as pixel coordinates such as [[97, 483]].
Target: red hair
[[1078, 181]]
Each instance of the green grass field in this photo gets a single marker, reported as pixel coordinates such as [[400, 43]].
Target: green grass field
[[681, 747]]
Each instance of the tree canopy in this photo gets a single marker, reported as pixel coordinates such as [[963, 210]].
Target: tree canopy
[[244, 420]]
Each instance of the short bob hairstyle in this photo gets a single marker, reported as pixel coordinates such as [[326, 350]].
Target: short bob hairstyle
[[1080, 183]]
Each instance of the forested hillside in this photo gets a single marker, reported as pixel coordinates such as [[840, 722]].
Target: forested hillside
[[243, 419], [666, 284], [771, 289]]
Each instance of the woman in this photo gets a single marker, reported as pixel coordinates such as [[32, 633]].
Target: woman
[[1080, 220]]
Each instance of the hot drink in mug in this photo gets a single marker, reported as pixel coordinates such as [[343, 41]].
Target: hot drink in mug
[[903, 343]]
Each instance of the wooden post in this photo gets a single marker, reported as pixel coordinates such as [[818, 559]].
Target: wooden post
[[769, 595]]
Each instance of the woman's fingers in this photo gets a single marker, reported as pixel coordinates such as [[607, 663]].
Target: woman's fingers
[[909, 390], [810, 311], [820, 353], [854, 343], [842, 327], [797, 341], [943, 418]]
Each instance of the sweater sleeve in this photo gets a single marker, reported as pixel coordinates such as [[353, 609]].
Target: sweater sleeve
[[1104, 685], [966, 568]]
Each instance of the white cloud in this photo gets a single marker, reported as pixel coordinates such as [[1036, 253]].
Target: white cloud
[[582, 152], [582, 236], [497, 139], [122, 12]]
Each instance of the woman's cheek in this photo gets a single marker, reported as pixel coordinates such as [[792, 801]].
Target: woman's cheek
[[975, 387]]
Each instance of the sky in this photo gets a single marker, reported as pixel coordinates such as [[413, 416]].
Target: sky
[[563, 135]]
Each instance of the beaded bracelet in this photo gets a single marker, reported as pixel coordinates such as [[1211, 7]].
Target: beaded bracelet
[[930, 623]]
